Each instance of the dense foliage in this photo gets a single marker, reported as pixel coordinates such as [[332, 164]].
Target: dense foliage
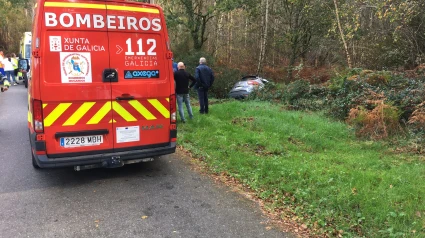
[[15, 19], [273, 37]]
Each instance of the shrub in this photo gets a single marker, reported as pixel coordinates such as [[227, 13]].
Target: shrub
[[348, 96], [378, 79], [314, 100], [378, 123], [225, 78], [356, 71], [271, 92], [336, 83], [416, 126], [296, 90], [406, 94], [417, 120]]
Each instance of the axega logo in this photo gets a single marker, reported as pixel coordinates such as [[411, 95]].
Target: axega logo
[[141, 74]]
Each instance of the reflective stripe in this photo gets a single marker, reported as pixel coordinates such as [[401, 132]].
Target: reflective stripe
[[122, 112], [29, 117], [56, 113], [142, 110], [164, 111], [133, 9], [100, 114], [101, 6], [92, 113], [74, 5], [81, 111]]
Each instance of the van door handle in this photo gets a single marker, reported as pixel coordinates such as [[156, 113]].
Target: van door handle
[[110, 75], [128, 98]]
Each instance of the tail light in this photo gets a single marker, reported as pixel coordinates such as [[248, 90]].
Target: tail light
[[252, 82], [37, 112], [173, 108]]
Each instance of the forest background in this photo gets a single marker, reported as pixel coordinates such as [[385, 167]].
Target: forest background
[[274, 37]]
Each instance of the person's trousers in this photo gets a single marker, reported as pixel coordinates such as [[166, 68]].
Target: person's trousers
[[203, 100], [10, 74], [184, 98]]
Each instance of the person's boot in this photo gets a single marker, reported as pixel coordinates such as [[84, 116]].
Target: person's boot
[[5, 86]]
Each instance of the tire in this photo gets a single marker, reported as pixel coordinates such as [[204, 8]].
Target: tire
[[26, 83], [34, 163]]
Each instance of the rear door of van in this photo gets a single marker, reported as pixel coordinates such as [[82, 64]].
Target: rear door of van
[[141, 92], [76, 98]]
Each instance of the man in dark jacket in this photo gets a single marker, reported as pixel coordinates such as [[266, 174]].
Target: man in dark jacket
[[204, 80], [181, 77]]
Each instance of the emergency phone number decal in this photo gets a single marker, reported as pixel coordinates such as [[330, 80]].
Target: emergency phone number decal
[[141, 74], [140, 53]]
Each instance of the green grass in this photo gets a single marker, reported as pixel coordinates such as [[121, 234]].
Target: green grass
[[314, 166]]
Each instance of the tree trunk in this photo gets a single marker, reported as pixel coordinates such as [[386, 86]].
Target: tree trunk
[[229, 38], [218, 35], [342, 35], [246, 33], [264, 38]]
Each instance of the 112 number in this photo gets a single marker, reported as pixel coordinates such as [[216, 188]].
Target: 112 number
[[151, 42]]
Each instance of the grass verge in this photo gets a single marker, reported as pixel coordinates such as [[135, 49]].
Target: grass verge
[[317, 168]]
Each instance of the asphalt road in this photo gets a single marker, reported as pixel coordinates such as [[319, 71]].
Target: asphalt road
[[164, 198]]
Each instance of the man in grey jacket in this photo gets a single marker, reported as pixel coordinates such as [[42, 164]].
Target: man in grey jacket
[[204, 80]]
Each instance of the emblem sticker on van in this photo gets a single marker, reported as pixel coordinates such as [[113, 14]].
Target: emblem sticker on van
[[141, 74], [75, 67], [55, 43]]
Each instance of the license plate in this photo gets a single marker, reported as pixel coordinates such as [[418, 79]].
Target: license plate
[[79, 141]]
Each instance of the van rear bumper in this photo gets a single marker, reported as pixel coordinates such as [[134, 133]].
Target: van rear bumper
[[43, 161]]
